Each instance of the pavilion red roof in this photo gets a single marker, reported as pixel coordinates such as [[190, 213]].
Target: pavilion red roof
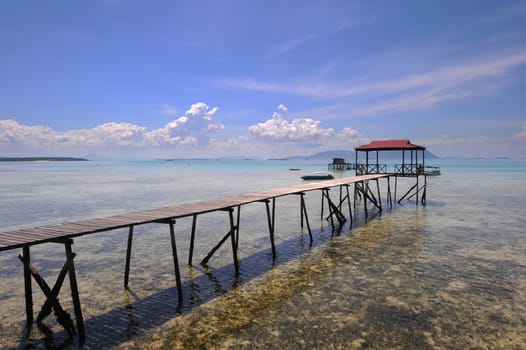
[[389, 145]]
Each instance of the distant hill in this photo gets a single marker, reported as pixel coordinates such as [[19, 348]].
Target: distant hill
[[340, 153], [350, 155]]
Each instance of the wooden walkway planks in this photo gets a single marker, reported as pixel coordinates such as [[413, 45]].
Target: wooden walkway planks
[[42, 234]]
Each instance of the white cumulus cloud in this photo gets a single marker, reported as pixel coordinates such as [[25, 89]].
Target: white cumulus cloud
[[301, 130], [191, 129], [13, 133]]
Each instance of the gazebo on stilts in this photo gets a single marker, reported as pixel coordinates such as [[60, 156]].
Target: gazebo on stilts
[[412, 166]]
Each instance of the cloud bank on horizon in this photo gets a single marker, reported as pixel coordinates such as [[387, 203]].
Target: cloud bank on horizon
[[446, 75], [189, 135]]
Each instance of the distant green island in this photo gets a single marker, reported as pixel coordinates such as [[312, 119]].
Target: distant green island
[[41, 159]]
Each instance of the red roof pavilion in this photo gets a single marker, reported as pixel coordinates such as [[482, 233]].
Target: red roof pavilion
[[411, 166], [389, 145], [414, 167]]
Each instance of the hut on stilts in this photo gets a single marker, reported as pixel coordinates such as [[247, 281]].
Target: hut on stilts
[[412, 164]]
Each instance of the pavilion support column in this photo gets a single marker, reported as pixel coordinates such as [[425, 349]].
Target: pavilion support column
[[389, 197], [396, 184], [424, 194], [417, 189]]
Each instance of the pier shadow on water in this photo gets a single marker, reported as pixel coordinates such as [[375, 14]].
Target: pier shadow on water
[[139, 315]]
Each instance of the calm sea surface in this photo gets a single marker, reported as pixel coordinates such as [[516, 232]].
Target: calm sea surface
[[448, 275]]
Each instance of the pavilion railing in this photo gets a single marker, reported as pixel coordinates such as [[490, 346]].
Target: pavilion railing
[[409, 169], [364, 169]]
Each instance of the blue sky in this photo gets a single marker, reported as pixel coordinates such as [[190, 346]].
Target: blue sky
[[260, 78]]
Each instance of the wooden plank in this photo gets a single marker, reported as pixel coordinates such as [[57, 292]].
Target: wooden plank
[[34, 234], [11, 240], [113, 223], [17, 235]]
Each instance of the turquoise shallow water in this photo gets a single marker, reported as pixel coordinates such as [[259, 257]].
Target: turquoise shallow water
[[450, 275]]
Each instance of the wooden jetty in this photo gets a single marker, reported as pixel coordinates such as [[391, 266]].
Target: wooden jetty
[[66, 232]]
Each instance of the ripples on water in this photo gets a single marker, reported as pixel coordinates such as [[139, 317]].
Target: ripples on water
[[450, 275]]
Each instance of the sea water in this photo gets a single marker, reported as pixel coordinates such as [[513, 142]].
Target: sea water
[[450, 274]]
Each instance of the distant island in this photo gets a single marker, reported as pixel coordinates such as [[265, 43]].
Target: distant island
[[41, 159]]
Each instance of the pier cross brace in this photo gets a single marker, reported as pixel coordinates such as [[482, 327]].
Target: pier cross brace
[[232, 234], [52, 301]]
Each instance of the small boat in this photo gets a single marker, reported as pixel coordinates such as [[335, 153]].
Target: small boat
[[318, 175], [432, 170]]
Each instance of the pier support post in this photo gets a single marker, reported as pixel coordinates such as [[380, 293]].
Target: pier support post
[[424, 194], [176, 262], [346, 197], [417, 189], [303, 209], [75, 291], [192, 239], [128, 257], [379, 193], [237, 225], [26, 259], [271, 222]]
